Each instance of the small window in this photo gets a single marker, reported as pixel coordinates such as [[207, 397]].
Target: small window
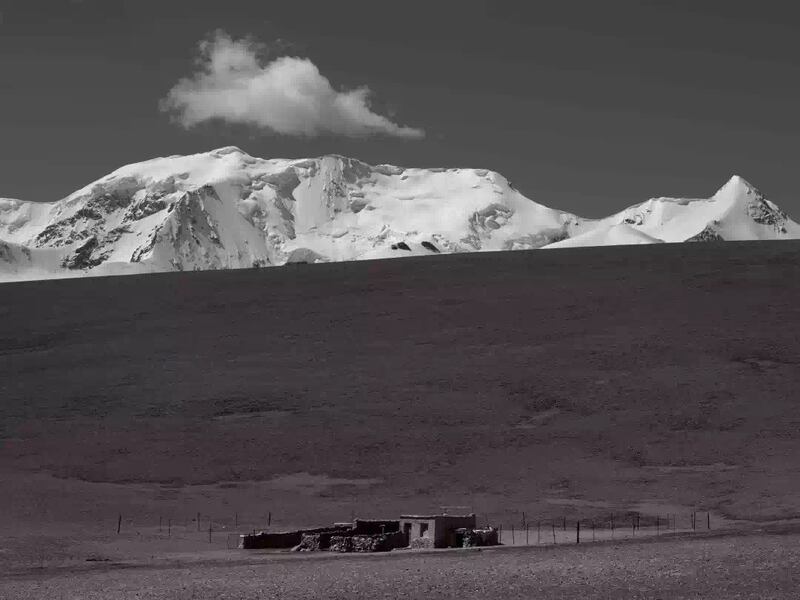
[[423, 529]]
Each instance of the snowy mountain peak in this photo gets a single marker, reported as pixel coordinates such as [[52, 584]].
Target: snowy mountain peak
[[225, 150], [737, 180], [737, 190], [226, 209], [736, 212]]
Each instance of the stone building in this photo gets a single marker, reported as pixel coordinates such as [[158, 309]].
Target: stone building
[[435, 531]]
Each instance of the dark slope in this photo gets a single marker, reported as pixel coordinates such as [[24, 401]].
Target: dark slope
[[507, 381]]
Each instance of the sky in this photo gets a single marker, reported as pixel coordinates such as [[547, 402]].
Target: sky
[[585, 106]]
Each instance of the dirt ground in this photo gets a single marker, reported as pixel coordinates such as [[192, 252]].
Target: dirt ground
[[759, 565], [566, 384]]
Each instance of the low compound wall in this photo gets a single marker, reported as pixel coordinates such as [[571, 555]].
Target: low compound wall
[[284, 539], [375, 526], [281, 540], [367, 543]]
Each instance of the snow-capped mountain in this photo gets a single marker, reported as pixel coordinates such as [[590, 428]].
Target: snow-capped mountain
[[737, 212], [225, 209]]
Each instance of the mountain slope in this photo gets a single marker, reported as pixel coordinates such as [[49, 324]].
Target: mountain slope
[[611, 234], [225, 209]]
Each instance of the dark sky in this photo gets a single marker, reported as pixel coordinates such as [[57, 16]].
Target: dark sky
[[585, 106]]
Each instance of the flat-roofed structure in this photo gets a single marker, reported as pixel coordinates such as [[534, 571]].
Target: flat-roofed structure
[[435, 531]]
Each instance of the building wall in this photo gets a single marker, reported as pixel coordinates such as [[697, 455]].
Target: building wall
[[440, 528], [446, 526], [415, 525]]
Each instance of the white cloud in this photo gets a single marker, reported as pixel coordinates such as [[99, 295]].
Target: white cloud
[[287, 95]]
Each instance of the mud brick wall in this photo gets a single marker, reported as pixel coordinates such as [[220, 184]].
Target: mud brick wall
[[375, 527], [286, 539]]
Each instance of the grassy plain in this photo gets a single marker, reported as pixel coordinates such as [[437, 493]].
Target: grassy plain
[[559, 383]]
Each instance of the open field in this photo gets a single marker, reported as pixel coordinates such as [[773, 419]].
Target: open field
[[715, 568], [560, 383]]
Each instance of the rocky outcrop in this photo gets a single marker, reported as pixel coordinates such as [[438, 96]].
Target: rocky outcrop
[[84, 256], [765, 213], [709, 234]]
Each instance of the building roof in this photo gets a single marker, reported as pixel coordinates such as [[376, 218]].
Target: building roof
[[375, 520], [430, 517]]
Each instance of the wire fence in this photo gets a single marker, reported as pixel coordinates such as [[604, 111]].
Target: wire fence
[[614, 526], [216, 531]]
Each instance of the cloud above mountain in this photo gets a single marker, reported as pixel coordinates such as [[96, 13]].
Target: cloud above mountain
[[286, 95]]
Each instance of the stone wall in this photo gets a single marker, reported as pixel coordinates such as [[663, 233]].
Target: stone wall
[[367, 543], [421, 543], [320, 540]]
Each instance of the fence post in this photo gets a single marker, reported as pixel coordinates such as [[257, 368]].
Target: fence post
[[512, 534], [119, 523], [578, 531], [708, 520], [269, 519], [564, 523], [612, 526], [527, 534], [553, 525]]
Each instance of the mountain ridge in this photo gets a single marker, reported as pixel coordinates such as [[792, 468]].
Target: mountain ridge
[[226, 209]]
